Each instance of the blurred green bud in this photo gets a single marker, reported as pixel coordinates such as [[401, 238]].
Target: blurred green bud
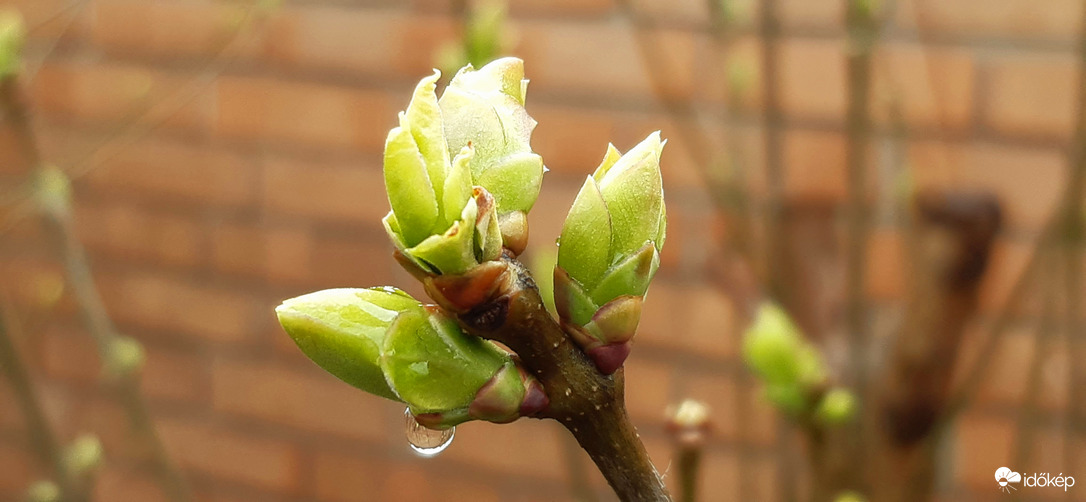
[[12, 39], [125, 357], [386, 343], [838, 406], [84, 455], [788, 398], [609, 251], [43, 491], [774, 349], [741, 75], [54, 190], [865, 8], [849, 496], [459, 172], [483, 32]]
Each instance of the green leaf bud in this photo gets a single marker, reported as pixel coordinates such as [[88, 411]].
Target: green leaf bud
[[385, 342], [609, 251], [471, 145]]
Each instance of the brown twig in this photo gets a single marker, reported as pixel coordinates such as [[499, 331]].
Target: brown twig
[[1074, 234], [1028, 415], [587, 403], [42, 437], [863, 31], [88, 299], [955, 233]]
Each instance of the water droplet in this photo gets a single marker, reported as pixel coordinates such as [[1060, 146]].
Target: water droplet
[[569, 392], [426, 442], [546, 169]]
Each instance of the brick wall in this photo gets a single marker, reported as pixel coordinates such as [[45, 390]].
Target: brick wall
[[264, 182]]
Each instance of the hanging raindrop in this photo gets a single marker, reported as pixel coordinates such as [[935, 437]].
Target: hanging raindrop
[[426, 442]]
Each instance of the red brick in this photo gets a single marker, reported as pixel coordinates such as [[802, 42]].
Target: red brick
[[710, 328], [978, 443], [418, 42], [277, 252], [32, 282], [175, 375], [344, 478], [1007, 383], [1032, 95], [1027, 181], [17, 468], [184, 307], [685, 11], [720, 394], [719, 477], [760, 423], [408, 482], [563, 7], [932, 87], [163, 238], [233, 455], [340, 191], [350, 262], [70, 354], [572, 140], [1055, 377], [500, 448], [993, 18], [814, 164], [800, 14], [812, 74], [336, 38], [113, 483], [177, 171], [316, 115], [168, 28], [886, 265], [664, 316], [648, 385], [558, 62], [310, 400], [115, 93]]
